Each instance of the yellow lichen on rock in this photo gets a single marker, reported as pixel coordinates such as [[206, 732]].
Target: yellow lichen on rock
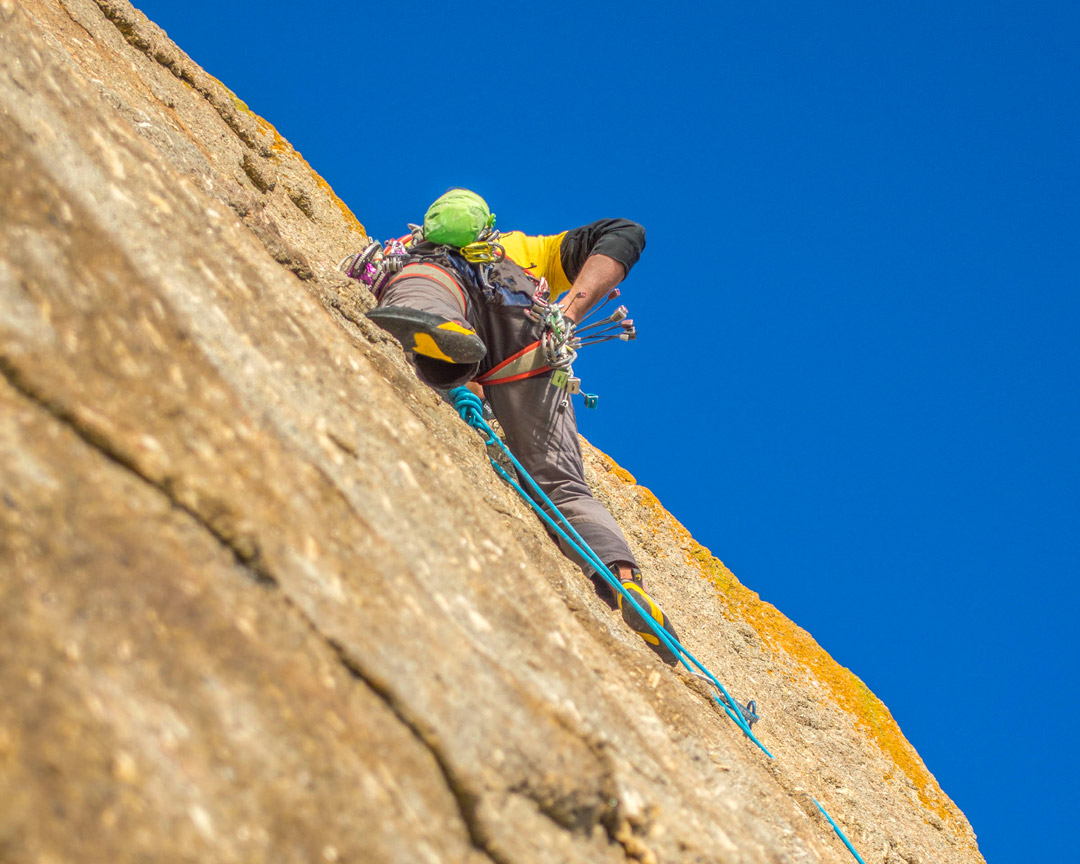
[[782, 634], [238, 103], [282, 148]]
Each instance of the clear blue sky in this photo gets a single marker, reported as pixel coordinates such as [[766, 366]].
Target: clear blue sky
[[856, 376]]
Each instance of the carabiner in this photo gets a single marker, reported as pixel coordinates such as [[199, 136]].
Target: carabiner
[[483, 252]]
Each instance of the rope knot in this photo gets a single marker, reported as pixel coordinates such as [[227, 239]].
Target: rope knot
[[468, 405]]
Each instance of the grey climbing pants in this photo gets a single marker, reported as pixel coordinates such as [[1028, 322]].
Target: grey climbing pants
[[542, 437]]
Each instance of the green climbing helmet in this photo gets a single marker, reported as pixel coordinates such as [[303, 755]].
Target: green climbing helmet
[[457, 218]]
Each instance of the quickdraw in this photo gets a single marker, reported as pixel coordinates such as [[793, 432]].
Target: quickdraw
[[375, 265], [562, 338], [558, 329]]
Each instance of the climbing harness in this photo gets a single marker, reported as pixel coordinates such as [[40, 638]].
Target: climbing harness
[[470, 407], [562, 338], [378, 266]]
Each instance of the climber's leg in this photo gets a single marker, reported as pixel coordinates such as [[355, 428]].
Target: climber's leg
[[430, 317], [544, 439]]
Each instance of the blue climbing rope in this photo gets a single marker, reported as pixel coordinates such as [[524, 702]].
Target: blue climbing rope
[[839, 833], [470, 407]]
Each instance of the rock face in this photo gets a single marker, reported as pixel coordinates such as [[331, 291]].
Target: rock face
[[261, 596]]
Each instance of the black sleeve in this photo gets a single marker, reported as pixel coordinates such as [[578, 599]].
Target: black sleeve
[[620, 239]]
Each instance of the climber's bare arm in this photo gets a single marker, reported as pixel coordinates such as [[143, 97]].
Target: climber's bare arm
[[597, 277]]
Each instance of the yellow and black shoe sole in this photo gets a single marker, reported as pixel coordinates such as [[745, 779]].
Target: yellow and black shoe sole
[[430, 335], [638, 624]]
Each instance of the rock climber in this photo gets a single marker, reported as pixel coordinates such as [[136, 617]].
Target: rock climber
[[463, 299]]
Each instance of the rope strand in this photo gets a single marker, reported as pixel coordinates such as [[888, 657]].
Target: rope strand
[[470, 407]]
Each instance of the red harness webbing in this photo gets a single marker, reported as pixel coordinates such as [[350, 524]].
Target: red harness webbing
[[527, 363]]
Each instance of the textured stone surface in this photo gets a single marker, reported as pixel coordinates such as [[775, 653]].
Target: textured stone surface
[[262, 597]]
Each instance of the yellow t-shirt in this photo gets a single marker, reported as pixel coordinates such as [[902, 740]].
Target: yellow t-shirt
[[540, 255]]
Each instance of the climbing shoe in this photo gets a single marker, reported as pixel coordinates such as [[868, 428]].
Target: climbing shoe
[[429, 335], [632, 617]]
